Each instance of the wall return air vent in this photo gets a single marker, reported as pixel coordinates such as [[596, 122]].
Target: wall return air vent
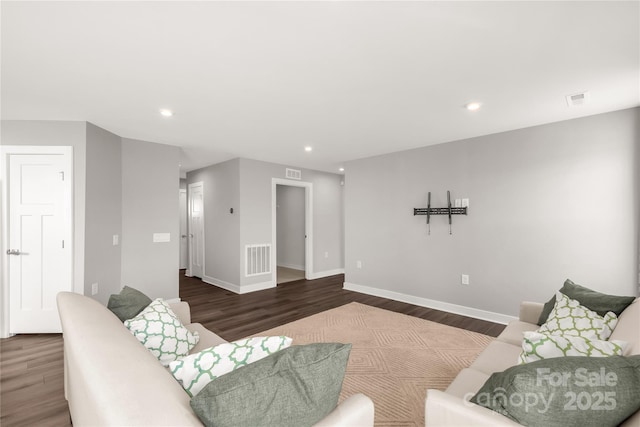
[[293, 174], [577, 99]]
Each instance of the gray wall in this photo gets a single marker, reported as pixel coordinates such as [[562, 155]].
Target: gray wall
[[221, 228], [103, 212], [546, 203], [123, 187], [37, 132], [246, 186], [290, 225], [255, 209], [150, 183]]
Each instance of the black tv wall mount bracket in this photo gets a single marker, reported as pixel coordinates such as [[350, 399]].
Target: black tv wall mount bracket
[[449, 210]]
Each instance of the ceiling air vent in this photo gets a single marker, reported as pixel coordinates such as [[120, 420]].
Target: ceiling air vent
[[294, 174], [577, 99]]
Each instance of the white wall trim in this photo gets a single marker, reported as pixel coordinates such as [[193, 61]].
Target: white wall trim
[[293, 266], [429, 303], [237, 289], [221, 284], [308, 224], [326, 273], [245, 289]]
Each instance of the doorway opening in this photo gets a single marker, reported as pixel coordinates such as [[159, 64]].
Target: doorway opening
[[195, 198], [292, 230]]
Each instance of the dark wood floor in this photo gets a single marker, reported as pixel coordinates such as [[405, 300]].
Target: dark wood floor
[[235, 316], [31, 373]]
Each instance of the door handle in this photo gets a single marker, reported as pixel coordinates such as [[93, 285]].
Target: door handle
[[183, 236], [13, 252]]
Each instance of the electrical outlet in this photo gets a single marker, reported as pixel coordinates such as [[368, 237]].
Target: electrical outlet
[[116, 240], [465, 203], [326, 254], [464, 279], [359, 264], [94, 288]]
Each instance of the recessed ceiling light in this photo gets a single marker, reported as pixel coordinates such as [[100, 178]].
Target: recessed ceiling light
[[341, 169], [166, 113], [308, 148], [473, 106]]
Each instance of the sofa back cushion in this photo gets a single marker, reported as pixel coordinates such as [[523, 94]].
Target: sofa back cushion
[[111, 379], [627, 328]]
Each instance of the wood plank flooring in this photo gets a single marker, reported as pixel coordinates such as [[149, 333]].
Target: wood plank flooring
[[235, 316], [31, 372]]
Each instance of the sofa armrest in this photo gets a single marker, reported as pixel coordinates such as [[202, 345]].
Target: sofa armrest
[[182, 310], [356, 411], [530, 311], [442, 409]]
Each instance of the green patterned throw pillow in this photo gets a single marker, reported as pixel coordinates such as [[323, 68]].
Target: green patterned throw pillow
[[159, 330], [197, 370], [537, 346], [568, 317]]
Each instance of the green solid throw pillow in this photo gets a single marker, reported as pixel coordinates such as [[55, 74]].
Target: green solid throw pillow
[[593, 300], [128, 303], [197, 370], [566, 391], [297, 386]]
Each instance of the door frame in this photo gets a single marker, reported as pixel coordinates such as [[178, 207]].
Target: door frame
[[182, 191], [308, 225], [190, 257], [5, 152]]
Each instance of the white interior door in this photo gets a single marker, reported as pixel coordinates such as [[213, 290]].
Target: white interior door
[[38, 248], [184, 250], [196, 229]]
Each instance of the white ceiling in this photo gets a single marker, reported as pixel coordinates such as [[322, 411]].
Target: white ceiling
[[264, 79]]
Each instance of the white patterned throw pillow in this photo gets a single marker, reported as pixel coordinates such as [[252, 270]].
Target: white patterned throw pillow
[[568, 317], [537, 346], [197, 370], [161, 332]]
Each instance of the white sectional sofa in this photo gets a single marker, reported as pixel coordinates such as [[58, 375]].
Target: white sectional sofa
[[113, 380], [452, 408]]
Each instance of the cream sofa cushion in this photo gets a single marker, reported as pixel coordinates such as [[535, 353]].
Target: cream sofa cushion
[[497, 357], [628, 329], [514, 332]]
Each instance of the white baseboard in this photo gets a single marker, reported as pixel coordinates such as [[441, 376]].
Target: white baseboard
[[257, 287], [429, 303], [221, 284], [172, 300], [326, 273], [292, 266], [237, 289]]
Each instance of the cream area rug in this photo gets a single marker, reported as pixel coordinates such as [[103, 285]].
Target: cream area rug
[[395, 358]]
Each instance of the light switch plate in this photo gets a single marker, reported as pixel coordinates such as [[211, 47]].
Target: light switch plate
[[161, 237]]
